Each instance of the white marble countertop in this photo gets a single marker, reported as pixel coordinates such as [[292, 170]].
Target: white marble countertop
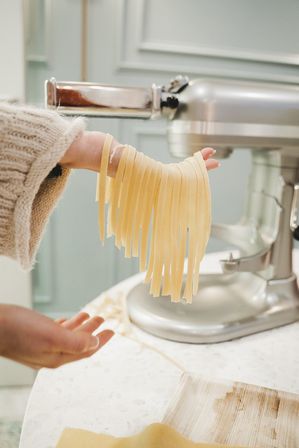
[[128, 384]]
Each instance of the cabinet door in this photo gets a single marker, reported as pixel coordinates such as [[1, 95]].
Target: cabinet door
[[140, 42], [15, 285]]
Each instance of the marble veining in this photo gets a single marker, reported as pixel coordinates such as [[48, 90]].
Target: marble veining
[[127, 385]]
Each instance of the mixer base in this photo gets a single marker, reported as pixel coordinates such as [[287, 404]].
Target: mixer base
[[226, 307]]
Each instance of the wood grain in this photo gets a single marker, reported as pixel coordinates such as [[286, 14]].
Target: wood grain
[[234, 413]]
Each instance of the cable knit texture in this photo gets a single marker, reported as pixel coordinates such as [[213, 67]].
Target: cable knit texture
[[32, 142]]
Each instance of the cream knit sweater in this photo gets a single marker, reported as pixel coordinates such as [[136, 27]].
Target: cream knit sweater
[[32, 142]]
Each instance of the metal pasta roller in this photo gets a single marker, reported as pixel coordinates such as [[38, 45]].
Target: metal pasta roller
[[258, 289]]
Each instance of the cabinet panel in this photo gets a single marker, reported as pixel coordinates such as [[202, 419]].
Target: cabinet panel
[[231, 38], [234, 29], [139, 42]]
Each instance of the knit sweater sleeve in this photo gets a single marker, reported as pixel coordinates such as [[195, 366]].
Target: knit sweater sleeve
[[32, 142]]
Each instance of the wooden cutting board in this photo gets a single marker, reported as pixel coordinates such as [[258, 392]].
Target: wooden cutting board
[[234, 413]]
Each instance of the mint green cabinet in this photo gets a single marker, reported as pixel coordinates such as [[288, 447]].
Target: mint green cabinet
[[138, 42]]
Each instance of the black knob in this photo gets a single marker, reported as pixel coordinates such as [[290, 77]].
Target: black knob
[[296, 233], [171, 102]]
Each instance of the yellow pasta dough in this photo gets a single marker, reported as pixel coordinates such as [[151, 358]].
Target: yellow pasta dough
[[160, 213], [156, 435]]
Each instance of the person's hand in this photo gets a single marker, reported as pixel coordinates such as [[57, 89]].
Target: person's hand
[[37, 341], [207, 154], [85, 153], [86, 150]]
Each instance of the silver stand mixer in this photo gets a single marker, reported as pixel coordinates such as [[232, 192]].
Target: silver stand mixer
[[258, 289]]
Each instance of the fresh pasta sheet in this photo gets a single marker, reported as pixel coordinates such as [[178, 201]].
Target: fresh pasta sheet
[[160, 213], [155, 435]]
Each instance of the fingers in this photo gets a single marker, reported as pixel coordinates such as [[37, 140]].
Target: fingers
[[104, 337], [54, 360], [211, 164], [75, 335], [75, 321], [207, 153], [75, 342], [60, 321], [91, 325], [82, 322]]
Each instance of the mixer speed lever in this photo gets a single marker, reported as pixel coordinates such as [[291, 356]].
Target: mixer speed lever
[[294, 213]]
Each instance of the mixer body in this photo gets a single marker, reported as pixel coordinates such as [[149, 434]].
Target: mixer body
[[257, 289]]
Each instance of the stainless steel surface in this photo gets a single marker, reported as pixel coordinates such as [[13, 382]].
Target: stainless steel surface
[[101, 100], [177, 84], [221, 113], [226, 307], [260, 291], [251, 263], [294, 222], [235, 305], [234, 113]]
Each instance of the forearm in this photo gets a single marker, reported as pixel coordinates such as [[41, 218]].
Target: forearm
[[86, 151], [2, 329], [7, 338], [32, 142]]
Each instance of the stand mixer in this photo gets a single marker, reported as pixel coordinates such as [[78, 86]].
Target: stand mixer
[[257, 289]]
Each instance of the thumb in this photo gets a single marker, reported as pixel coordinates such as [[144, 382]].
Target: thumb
[[76, 342]]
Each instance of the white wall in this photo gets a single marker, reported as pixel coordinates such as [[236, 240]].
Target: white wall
[[15, 285], [11, 49]]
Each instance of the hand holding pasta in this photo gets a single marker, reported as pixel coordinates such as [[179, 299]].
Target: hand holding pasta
[[159, 213], [86, 150]]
